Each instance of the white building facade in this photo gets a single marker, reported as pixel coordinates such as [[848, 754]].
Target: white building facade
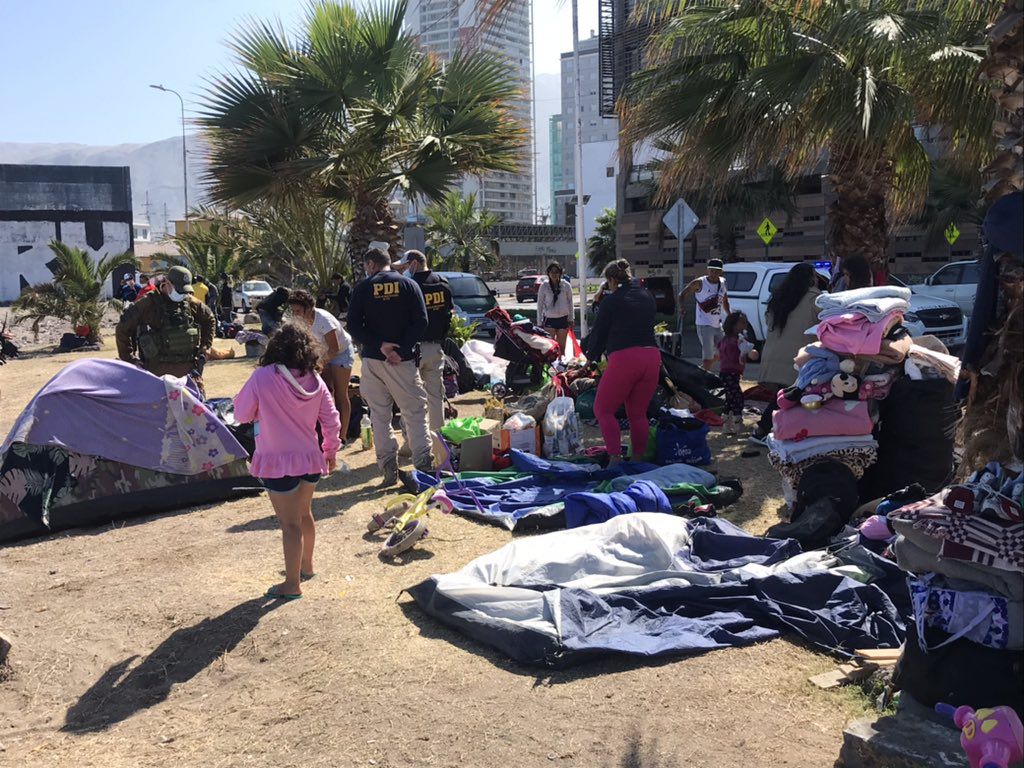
[[600, 141], [87, 207]]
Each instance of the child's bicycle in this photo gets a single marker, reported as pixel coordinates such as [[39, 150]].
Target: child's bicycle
[[404, 515]]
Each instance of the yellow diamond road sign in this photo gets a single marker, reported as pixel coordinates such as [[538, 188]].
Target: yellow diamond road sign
[[952, 233], [767, 230]]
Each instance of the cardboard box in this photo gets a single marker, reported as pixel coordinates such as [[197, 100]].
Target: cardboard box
[[525, 440], [476, 454]]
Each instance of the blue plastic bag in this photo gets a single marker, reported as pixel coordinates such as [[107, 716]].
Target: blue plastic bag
[[680, 445]]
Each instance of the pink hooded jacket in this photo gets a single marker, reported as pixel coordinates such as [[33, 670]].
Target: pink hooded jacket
[[287, 407]]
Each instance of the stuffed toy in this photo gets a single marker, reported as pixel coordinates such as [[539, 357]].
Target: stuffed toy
[[823, 386], [845, 386]]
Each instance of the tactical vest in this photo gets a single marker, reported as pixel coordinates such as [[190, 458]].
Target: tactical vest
[[176, 340]]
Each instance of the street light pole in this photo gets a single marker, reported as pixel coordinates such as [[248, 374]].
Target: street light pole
[[184, 161], [581, 245]]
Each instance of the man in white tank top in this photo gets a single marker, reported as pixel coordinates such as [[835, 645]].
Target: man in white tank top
[[712, 307]]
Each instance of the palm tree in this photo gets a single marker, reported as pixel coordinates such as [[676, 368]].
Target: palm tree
[[748, 84], [1002, 71], [306, 236], [952, 199], [995, 402], [601, 245], [461, 233], [351, 110], [739, 200], [76, 293], [218, 243]]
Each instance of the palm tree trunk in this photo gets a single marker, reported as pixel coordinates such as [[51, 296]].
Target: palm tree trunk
[[858, 217], [725, 239], [1002, 70], [373, 222]]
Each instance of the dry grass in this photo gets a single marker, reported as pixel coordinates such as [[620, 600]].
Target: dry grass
[[145, 643]]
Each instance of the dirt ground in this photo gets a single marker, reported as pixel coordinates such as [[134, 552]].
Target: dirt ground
[[147, 643]]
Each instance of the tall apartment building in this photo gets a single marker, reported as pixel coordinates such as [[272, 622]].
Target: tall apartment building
[[556, 138], [600, 141], [443, 26]]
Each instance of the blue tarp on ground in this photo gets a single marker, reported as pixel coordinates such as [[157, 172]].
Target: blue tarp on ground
[[652, 585], [518, 504]]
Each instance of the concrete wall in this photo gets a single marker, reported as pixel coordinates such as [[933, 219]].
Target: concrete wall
[[87, 207]]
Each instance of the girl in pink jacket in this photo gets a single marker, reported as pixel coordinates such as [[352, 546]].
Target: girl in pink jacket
[[286, 398]]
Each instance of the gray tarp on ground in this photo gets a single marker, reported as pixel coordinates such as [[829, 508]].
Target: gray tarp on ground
[[655, 584]]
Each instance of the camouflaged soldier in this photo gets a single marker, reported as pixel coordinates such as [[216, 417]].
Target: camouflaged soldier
[[168, 331]]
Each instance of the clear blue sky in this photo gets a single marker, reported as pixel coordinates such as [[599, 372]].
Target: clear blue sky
[[79, 70]]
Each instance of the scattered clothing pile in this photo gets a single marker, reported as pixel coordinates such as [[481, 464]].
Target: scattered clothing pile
[[654, 585], [964, 550], [540, 494]]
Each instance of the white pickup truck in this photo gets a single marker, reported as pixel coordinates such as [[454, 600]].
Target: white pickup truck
[[750, 284], [956, 282]]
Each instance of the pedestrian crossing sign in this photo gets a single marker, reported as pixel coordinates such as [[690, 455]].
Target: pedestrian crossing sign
[[767, 230], [952, 233]]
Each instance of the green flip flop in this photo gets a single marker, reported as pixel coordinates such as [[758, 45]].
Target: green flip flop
[[306, 576], [273, 594]]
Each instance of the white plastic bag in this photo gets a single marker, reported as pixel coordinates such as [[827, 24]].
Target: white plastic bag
[[562, 429], [519, 421]]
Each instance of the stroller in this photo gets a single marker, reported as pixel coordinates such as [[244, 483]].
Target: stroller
[[528, 349]]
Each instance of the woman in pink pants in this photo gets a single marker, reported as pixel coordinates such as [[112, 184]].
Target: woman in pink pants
[[624, 330]]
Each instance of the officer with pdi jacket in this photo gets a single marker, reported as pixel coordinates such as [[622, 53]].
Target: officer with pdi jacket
[[437, 295], [169, 329], [387, 317]]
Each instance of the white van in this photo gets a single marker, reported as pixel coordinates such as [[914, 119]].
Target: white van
[[750, 285]]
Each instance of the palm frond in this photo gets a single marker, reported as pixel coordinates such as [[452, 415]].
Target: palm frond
[[742, 86], [349, 110]]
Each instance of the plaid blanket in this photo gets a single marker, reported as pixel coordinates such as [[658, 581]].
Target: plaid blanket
[[979, 521]]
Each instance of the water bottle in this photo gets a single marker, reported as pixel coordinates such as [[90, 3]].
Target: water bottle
[[366, 433]]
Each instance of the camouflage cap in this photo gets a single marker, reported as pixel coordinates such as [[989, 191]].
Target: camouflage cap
[[181, 279]]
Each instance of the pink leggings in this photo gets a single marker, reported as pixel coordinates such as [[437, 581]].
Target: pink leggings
[[631, 378]]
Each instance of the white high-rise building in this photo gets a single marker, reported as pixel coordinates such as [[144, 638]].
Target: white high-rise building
[[600, 141], [442, 27]]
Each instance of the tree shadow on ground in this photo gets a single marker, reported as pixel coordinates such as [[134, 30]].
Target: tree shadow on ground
[[184, 654]]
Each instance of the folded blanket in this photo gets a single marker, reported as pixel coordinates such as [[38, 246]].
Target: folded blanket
[[917, 552], [816, 365], [856, 458], [874, 310], [979, 521], [889, 352], [854, 334], [844, 299], [948, 365], [874, 386], [835, 417], [795, 451]]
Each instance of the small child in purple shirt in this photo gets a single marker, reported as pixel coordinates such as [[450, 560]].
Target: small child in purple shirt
[[733, 352]]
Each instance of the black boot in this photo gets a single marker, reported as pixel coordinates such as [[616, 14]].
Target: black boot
[[814, 528]]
